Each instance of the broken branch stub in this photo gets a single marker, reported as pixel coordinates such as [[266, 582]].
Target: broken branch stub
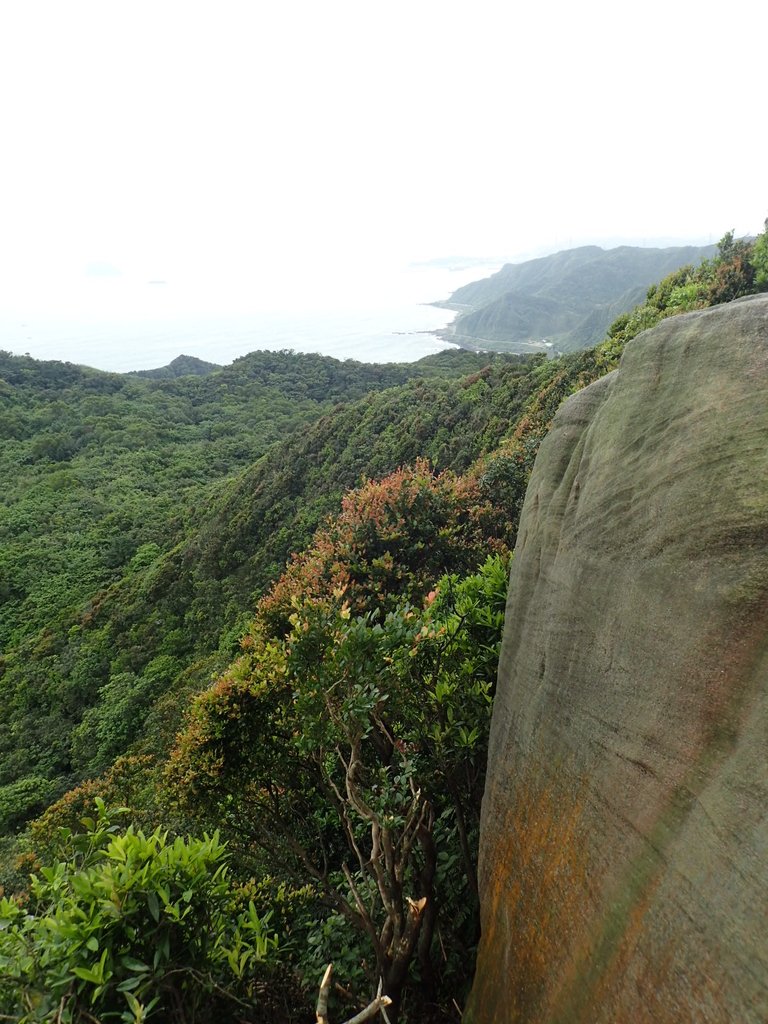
[[376, 1005]]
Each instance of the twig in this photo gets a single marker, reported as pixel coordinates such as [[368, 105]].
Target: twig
[[346, 819], [321, 1011], [343, 992], [442, 946], [206, 979]]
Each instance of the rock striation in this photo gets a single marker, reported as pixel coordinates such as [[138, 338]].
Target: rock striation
[[624, 849]]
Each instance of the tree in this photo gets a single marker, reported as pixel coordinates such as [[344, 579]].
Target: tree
[[732, 273], [392, 539], [352, 753], [759, 258]]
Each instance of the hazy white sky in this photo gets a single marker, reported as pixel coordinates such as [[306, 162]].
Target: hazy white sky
[[251, 138]]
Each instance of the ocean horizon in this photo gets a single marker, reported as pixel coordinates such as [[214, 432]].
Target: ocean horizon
[[121, 324]]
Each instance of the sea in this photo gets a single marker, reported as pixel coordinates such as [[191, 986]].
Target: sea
[[118, 322]]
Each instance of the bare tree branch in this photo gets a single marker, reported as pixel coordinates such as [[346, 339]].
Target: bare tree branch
[[345, 817], [366, 917], [371, 1010], [375, 1006]]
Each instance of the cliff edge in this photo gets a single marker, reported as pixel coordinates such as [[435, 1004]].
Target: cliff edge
[[624, 850]]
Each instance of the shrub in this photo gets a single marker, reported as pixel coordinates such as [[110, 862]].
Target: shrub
[[125, 926]]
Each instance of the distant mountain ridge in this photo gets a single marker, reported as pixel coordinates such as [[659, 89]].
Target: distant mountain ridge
[[568, 299]]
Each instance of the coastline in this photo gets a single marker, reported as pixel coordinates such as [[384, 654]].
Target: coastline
[[449, 336], [122, 325]]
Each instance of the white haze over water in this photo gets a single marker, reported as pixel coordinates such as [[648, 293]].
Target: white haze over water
[[273, 161], [121, 322]]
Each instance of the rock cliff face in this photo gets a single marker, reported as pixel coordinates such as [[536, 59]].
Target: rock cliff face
[[624, 855]]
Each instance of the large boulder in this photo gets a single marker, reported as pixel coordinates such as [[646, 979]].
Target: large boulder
[[624, 850]]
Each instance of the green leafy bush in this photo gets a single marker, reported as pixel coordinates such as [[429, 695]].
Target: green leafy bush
[[128, 927], [20, 798]]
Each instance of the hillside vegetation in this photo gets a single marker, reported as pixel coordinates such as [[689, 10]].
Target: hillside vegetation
[[568, 299], [96, 466], [117, 587], [329, 717]]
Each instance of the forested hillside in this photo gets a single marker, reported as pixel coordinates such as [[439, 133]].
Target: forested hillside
[[329, 718], [568, 299], [117, 502], [96, 465]]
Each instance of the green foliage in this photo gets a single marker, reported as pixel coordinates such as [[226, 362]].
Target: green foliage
[[81, 690], [352, 752], [109, 727], [22, 798], [731, 274], [391, 540], [96, 466], [130, 927], [759, 258], [150, 542]]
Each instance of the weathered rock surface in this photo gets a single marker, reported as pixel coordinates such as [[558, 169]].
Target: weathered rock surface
[[624, 855]]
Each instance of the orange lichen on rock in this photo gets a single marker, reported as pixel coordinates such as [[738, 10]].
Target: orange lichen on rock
[[534, 899]]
